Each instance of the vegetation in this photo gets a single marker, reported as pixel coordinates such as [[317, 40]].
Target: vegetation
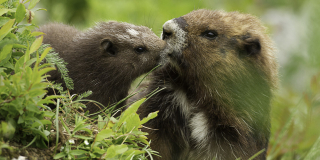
[[25, 117], [24, 62]]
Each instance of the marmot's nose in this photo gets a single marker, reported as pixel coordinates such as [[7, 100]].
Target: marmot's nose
[[168, 29], [166, 33]]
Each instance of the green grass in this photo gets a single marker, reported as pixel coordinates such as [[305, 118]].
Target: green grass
[[295, 117]]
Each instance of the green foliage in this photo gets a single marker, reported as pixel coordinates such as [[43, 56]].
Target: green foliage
[[54, 58], [116, 138], [295, 120], [295, 113], [22, 85], [24, 116]]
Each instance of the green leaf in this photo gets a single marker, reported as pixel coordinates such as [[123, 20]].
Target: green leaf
[[44, 122], [82, 127], [13, 9], [98, 150], [20, 13], [77, 152], [48, 114], [19, 46], [26, 1], [36, 44], [131, 153], [82, 137], [131, 109], [6, 28], [32, 107], [37, 92], [54, 97], [19, 64], [8, 65], [46, 132], [5, 54], [106, 133], [3, 11], [44, 53], [33, 4], [3, 20], [35, 34], [46, 70], [11, 36], [39, 132], [60, 155], [21, 120], [29, 62], [19, 54], [7, 129], [39, 9], [142, 140], [115, 150], [101, 122], [150, 116], [133, 122]]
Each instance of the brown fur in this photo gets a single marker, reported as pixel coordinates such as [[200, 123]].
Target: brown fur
[[104, 59], [218, 90]]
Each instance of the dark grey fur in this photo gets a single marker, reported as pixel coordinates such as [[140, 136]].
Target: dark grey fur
[[104, 59]]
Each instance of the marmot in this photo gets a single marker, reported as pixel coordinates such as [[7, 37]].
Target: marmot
[[104, 59], [218, 85]]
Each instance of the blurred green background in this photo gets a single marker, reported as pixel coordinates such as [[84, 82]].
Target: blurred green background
[[294, 25]]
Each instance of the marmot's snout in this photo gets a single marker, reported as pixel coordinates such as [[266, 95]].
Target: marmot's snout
[[174, 34], [173, 28]]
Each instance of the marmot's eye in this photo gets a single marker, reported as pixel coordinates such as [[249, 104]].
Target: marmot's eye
[[210, 34], [140, 49]]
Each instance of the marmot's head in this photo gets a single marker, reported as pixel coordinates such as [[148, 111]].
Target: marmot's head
[[215, 47], [120, 47]]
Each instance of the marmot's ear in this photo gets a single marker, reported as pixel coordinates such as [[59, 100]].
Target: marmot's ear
[[108, 47], [252, 46]]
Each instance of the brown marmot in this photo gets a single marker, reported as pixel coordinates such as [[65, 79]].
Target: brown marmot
[[104, 59], [218, 85]]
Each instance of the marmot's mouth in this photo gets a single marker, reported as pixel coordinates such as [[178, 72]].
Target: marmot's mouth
[[176, 60], [175, 56]]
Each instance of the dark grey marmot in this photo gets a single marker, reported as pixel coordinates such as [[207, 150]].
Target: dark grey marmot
[[104, 59], [218, 85]]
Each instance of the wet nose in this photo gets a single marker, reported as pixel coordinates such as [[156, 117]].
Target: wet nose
[[168, 30], [166, 33]]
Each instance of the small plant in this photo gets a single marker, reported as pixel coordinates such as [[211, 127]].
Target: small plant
[[22, 77], [25, 117], [114, 139], [296, 124]]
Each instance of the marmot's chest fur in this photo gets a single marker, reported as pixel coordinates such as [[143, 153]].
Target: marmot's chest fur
[[219, 80], [104, 59]]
